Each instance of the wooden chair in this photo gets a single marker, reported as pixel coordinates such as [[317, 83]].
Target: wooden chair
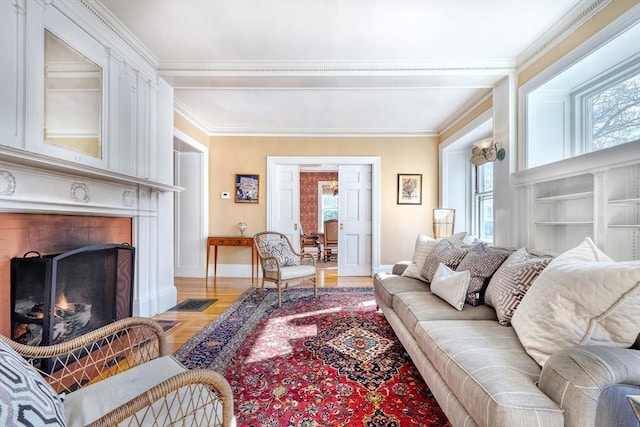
[[281, 264], [310, 241], [330, 238], [120, 374]]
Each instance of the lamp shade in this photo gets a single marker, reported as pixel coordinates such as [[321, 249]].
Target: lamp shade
[[443, 222]]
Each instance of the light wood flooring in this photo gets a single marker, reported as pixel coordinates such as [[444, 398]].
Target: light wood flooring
[[226, 290]]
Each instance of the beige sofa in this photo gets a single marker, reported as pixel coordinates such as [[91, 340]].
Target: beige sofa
[[481, 375]]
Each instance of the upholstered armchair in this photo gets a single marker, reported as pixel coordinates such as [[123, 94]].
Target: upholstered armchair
[[281, 264], [119, 374]]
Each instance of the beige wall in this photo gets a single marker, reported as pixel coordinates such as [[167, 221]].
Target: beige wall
[[179, 122], [467, 118], [399, 223]]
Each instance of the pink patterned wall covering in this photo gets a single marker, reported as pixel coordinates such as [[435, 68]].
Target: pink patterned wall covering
[[309, 198]]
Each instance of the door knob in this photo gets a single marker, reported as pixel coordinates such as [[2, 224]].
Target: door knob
[[341, 226], [295, 226]]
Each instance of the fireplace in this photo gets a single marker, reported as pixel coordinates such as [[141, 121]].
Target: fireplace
[[57, 297]]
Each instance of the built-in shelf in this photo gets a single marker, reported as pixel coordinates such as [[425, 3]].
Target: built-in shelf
[[632, 201], [564, 223], [624, 226], [560, 197]]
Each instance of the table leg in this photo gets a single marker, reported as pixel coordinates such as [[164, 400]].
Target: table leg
[[215, 261], [206, 265]]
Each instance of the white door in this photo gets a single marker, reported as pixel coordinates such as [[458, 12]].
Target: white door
[[287, 203], [355, 225]]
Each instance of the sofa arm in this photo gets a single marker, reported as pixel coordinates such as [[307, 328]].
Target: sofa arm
[[399, 267], [590, 383]]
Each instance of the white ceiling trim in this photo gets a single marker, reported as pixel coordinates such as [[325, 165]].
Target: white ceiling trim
[[577, 16], [334, 69], [476, 100], [319, 132], [190, 116]]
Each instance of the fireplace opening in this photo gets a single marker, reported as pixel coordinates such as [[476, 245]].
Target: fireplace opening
[[57, 297]]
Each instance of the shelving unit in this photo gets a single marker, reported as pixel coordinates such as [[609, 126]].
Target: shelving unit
[[595, 195], [623, 213], [562, 212]]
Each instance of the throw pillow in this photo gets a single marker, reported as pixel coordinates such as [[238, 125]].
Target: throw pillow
[[581, 298], [445, 252], [26, 399], [512, 285], [493, 293], [450, 285], [481, 264], [280, 250], [424, 246]]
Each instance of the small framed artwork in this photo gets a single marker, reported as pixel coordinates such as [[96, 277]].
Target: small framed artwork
[[247, 188], [409, 188]]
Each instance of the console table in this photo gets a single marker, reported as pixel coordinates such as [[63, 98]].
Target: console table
[[242, 241]]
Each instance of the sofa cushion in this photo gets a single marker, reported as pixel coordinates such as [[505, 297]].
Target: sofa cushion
[[386, 285], [90, 403], [413, 307], [481, 264], [445, 252], [489, 372], [581, 298], [451, 285], [26, 399], [424, 246]]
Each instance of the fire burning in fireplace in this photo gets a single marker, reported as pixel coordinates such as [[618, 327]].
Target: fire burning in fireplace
[[57, 297], [68, 320]]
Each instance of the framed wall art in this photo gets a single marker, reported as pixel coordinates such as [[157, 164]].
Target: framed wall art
[[409, 189], [247, 188]]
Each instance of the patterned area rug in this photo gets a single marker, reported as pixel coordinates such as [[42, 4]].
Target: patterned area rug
[[333, 361]]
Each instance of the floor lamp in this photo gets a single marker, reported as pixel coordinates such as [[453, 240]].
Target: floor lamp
[[443, 222]]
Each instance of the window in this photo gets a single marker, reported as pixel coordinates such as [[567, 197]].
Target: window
[[483, 195], [327, 203], [587, 101], [612, 114]]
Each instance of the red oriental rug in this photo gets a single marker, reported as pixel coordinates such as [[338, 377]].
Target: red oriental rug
[[330, 361]]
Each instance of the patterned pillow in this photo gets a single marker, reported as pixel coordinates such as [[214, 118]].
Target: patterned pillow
[[26, 399], [514, 281], [445, 252], [282, 252], [493, 292], [481, 264], [451, 285], [424, 246]]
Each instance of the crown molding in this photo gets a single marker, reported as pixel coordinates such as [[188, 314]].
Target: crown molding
[[311, 68], [120, 30], [465, 109], [578, 15], [191, 117], [327, 133]]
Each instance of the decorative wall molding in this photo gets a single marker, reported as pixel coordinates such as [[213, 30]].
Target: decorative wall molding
[[7, 183], [128, 198], [80, 192]]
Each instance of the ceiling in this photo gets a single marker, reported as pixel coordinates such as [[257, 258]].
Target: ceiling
[[337, 67]]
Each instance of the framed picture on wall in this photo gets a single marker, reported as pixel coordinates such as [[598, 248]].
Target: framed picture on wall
[[409, 188], [247, 188]]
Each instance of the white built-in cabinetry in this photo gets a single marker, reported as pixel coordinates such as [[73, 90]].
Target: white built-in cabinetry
[[596, 195]]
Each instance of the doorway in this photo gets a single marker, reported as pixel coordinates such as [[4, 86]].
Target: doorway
[[191, 205], [283, 208]]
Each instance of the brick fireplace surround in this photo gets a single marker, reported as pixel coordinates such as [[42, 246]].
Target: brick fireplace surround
[[50, 234]]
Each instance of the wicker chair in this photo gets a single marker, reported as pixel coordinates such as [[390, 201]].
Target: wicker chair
[[281, 264], [120, 374]]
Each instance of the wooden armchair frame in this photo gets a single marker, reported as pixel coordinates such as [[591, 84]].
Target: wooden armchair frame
[[123, 345], [300, 266]]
